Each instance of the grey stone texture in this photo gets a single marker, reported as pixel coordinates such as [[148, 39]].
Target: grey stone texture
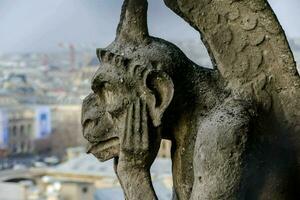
[[234, 129]]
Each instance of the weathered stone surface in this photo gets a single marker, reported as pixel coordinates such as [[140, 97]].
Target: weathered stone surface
[[260, 25], [234, 129]]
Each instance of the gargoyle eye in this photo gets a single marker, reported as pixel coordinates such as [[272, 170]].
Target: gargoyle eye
[[101, 86], [106, 86]]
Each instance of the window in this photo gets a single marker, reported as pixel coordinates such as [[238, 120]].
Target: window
[[22, 130], [84, 190], [14, 131]]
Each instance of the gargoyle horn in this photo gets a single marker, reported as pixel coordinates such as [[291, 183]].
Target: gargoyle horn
[[133, 23]]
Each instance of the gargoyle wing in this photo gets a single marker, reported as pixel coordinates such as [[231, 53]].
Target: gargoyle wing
[[250, 49]]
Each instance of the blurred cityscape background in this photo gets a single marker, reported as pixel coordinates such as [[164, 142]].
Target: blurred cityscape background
[[47, 58]]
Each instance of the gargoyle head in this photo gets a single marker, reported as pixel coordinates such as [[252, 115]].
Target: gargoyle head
[[118, 83]]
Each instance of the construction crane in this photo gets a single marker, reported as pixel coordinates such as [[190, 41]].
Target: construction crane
[[72, 54]]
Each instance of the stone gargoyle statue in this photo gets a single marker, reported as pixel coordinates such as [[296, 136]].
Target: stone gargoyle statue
[[235, 129]]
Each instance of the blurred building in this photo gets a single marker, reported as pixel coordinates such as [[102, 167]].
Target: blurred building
[[80, 178], [90, 175], [20, 126], [66, 128]]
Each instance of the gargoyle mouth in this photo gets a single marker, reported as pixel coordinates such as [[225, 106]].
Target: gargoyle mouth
[[103, 145]]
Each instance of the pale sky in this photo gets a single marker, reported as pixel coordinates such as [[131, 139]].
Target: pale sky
[[40, 25]]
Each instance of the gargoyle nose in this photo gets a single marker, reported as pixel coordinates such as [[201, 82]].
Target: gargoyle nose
[[97, 129]]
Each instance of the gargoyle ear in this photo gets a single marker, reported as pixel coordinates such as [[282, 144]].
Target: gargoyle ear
[[161, 94]]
